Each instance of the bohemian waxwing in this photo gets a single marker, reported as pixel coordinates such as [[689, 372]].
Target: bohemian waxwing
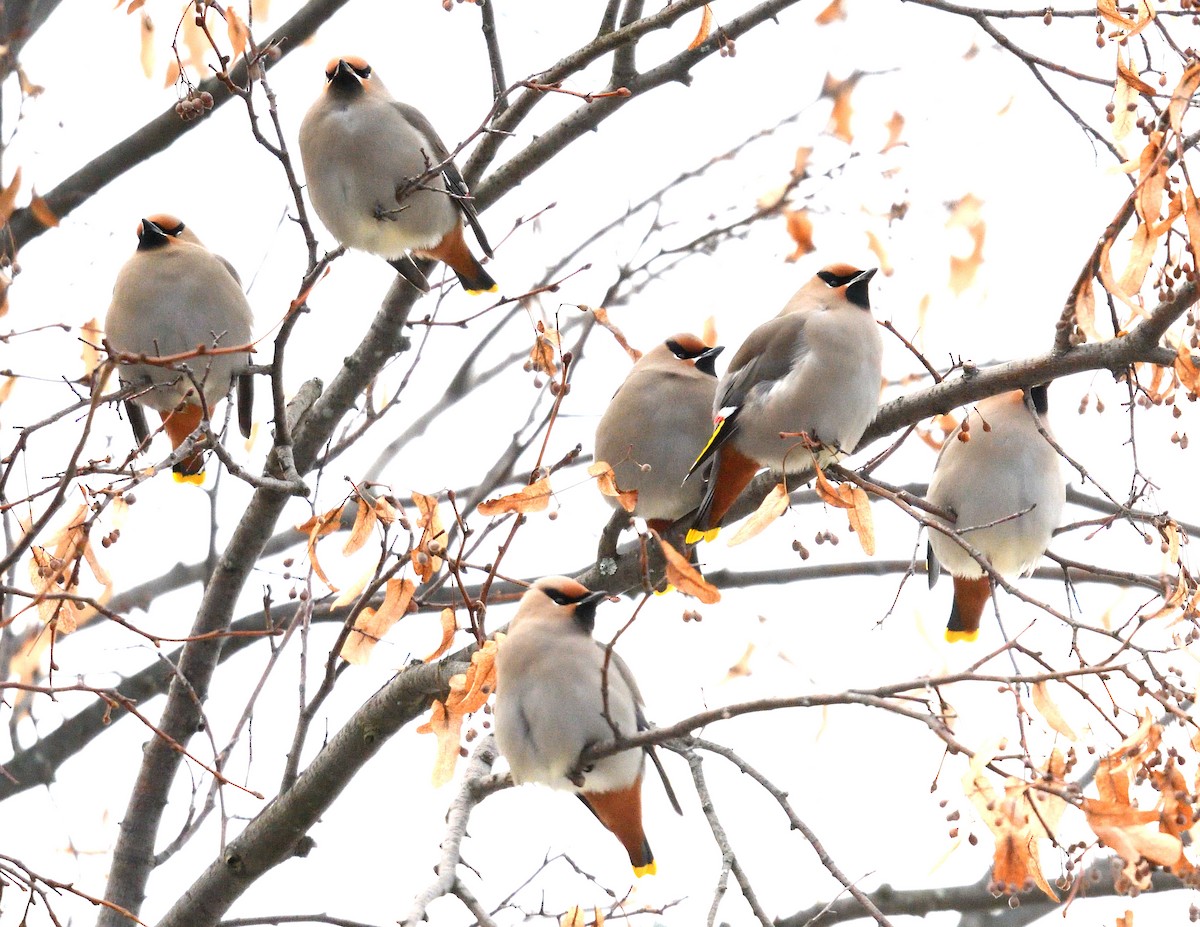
[[174, 296], [1006, 473], [655, 422], [550, 683], [815, 368], [365, 155]]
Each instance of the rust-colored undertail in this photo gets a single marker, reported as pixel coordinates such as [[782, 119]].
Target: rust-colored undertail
[[178, 425], [621, 812], [731, 472], [452, 251], [970, 596]]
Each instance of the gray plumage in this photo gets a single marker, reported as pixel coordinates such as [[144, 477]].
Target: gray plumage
[[1002, 470], [549, 706], [172, 296], [655, 425], [815, 368]]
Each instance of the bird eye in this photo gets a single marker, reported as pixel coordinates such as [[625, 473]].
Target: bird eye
[[559, 598], [679, 350]]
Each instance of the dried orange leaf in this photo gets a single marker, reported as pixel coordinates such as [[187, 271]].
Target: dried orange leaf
[[574, 917], [542, 355], [1108, 9], [773, 505], [532, 498], [1015, 827], [1141, 253], [831, 13], [837, 496], [686, 578], [800, 229], [1050, 712], [425, 562], [350, 593], [1085, 309], [800, 165], [238, 31], [705, 29], [1181, 98], [8, 196], [147, 56], [1126, 920], [468, 692], [316, 528], [861, 520], [371, 625], [364, 524], [1109, 281], [708, 332], [1186, 370], [385, 511], [967, 215], [876, 246], [173, 73], [839, 117], [1191, 215], [1126, 74], [6, 388], [134, 6], [606, 482], [602, 318], [449, 627], [895, 126], [91, 336]]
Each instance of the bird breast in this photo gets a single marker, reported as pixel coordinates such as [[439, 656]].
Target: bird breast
[[169, 302], [999, 472], [549, 710], [355, 159]]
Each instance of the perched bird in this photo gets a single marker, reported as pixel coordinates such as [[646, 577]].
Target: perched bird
[[815, 368], [1006, 477], [174, 296], [655, 422], [365, 159], [551, 689]]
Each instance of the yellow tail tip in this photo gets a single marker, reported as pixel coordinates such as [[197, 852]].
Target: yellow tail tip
[[651, 868], [666, 590], [695, 535], [955, 637], [494, 288], [194, 479]]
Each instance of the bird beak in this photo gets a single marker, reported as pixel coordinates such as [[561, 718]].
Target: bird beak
[[707, 361], [856, 289], [150, 235]]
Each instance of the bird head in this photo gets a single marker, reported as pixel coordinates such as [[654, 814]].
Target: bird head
[[687, 347], [347, 75], [849, 281], [561, 599], [160, 230]]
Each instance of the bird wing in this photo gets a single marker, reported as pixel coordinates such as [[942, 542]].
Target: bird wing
[[454, 180], [644, 725], [765, 357]]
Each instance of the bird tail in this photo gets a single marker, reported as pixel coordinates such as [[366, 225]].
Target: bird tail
[[731, 472], [178, 425], [620, 811], [970, 596], [452, 251]]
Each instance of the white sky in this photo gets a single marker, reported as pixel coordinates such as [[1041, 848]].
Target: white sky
[[978, 126]]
